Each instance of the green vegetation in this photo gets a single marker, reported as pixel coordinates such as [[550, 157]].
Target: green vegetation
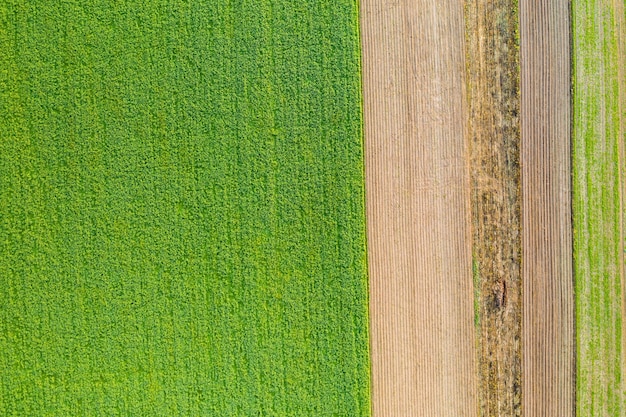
[[181, 209], [598, 187]]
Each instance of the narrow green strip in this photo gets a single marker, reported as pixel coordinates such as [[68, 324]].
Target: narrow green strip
[[598, 189], [181, 209]]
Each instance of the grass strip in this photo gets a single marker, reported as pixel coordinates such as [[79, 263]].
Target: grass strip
[[598, 163]]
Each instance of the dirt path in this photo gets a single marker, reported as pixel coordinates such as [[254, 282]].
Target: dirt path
[[417, 194], [492, 60], [548, 318]]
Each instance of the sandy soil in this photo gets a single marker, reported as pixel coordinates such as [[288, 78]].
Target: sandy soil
[[417, 190]]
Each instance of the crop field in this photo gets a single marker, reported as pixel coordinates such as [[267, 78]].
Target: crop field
[[420, 260], [548, 320], [213, 208], [599, 37], [182, 222]]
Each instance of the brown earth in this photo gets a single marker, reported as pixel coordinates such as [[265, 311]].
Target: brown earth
[[456, 192], [492, 59], [417, 190], [548, 315]]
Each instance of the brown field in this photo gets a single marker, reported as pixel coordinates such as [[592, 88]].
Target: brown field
[[548, 319], [467, 142], [417, 187]]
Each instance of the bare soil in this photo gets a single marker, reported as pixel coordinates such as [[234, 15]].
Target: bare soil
[[548, 353], [417, 193], [468, 194]]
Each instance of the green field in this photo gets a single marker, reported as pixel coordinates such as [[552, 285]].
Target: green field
[[598, 139], [181, 209]]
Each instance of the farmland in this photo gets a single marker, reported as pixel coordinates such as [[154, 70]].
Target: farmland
[[548, 338], [493, 101], [185, 189], [599, 37], [419, 235], [181, 209]]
